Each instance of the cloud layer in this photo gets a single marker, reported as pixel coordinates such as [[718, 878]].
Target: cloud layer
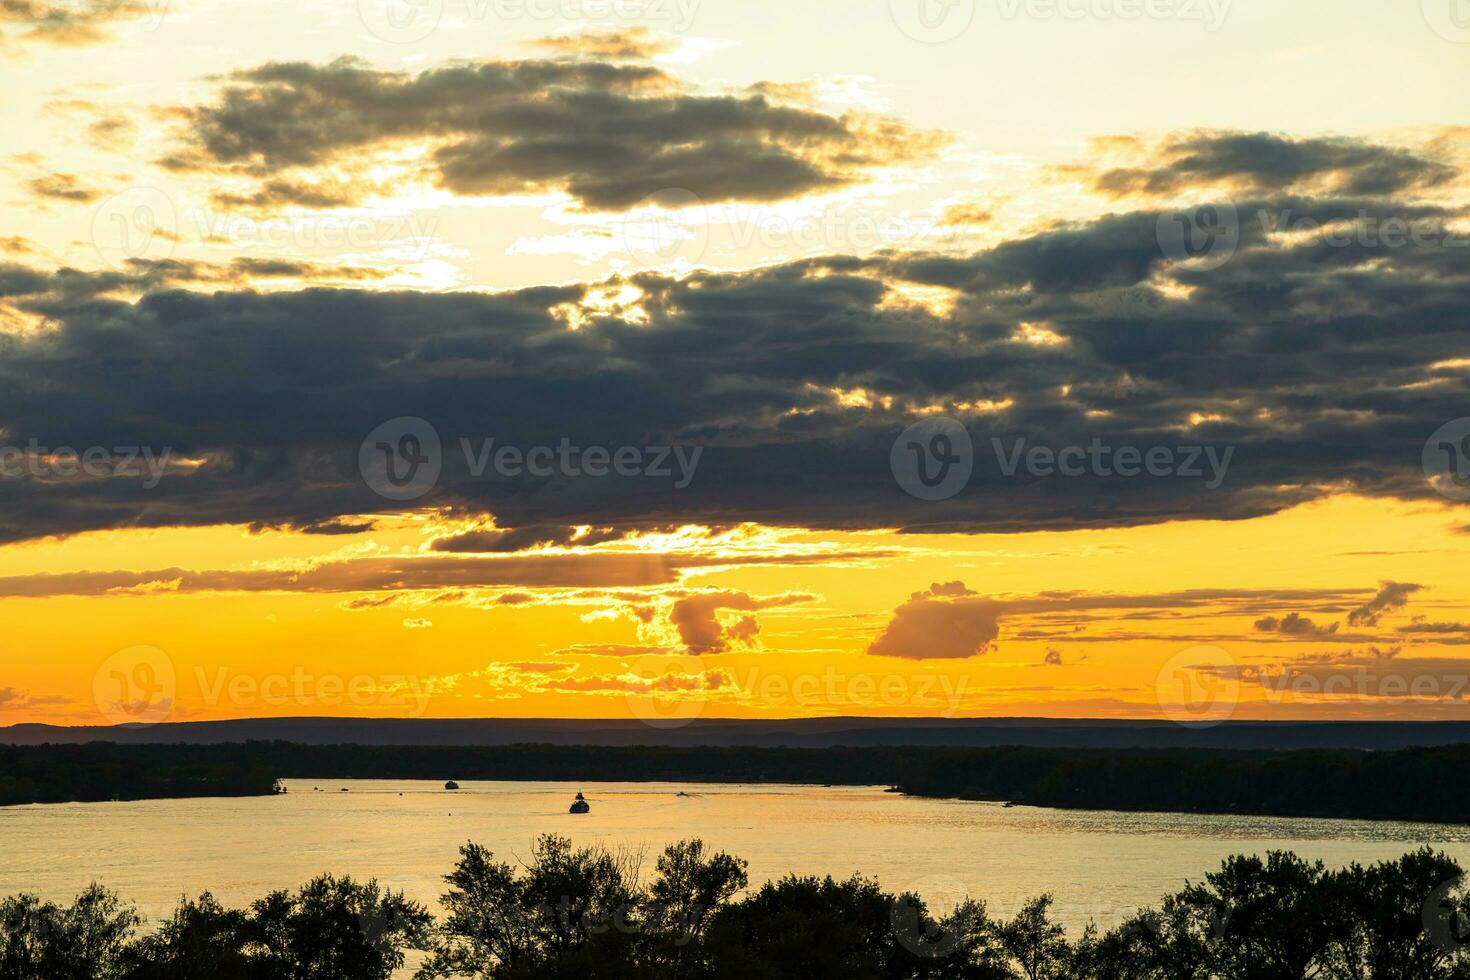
[[1256, 162], [1323, 366], [951, 621], [608, 134]]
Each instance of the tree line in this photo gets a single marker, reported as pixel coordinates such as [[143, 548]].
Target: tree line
[[588, 913], [1306, 783], [1407, 784], [100, 771]]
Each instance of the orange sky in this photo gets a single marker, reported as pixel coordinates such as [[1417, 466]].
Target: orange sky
[[230, 654], [263, 249]]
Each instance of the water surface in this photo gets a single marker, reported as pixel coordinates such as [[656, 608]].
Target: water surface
[[1101, 865]]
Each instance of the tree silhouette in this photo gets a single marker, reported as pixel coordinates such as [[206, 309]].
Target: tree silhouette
[[1036, 944], [584, 914], [84, 941], [200, 939], [690, 887], [333, 927]]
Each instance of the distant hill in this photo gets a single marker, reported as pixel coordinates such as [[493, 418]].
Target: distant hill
[[794, 733]]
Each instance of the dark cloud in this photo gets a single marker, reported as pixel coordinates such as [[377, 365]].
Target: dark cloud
[[1295, 624], [949, 620], [1254, 162], [431, 573], [244, 269], [608, 134], [1391, 596], [270, 195], [61, 289], [701, 630], [1323, 369], [367, 575], [334, 527], [500, 541], [1436, 629]]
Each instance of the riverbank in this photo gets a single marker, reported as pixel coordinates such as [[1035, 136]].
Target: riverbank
[[1408, 784], [100, 771]]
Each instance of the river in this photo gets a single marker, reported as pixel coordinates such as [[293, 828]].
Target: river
[[1100, 865]]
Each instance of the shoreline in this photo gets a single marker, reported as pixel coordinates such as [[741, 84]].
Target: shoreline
[[1309, 784]]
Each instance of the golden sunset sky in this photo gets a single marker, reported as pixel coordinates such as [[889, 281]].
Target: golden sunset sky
[[254, 254]]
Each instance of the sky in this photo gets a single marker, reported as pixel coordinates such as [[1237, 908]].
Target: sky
[[677, 359]]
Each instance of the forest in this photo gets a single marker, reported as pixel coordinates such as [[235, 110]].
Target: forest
[[101, 771], [1305, 783], [593, 913]]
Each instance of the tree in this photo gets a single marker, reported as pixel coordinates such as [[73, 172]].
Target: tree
[[775, 933], [688, 890], [84, 941], [1152, 945], [1401, 919], [333, 929], [571, 911], [582, 914], [1038, 945], [200, 939], [964, 945], [1260, 920]]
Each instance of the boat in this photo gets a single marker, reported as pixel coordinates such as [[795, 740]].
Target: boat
[[451, 785], [580, 805]]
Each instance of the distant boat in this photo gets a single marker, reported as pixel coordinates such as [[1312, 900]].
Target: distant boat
[[451, 785], [580, 805]]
